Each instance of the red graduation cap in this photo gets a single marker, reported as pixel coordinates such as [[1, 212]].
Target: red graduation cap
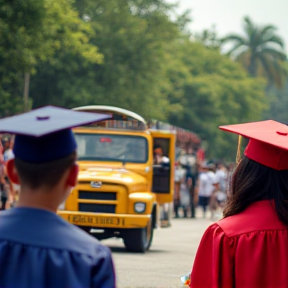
[[268, 142]]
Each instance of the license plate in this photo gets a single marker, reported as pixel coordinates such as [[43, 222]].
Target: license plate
[[90, 220]]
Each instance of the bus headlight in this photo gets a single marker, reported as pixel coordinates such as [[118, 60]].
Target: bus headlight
[[139, 207]]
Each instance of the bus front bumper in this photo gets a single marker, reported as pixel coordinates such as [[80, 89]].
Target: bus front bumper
[[105, 220]]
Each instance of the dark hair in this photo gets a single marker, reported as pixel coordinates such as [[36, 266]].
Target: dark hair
[[157, 147], [253, 182], [48, 174]]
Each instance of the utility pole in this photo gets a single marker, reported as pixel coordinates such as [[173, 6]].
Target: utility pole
[[26, 91]]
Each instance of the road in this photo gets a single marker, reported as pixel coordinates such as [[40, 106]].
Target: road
[[170, 256]]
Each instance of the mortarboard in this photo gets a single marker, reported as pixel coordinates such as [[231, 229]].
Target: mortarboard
[[268, 142], [44, 134]]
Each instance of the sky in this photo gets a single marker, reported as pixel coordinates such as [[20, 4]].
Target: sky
[[227, 15]]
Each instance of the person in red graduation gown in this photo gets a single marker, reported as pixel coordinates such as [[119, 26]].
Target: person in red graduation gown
[[248, 248], [39, 249]]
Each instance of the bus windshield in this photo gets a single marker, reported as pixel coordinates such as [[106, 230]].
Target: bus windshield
[[107, 147]]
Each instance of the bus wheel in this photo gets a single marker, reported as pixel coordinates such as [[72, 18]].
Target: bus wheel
[[139, 239]]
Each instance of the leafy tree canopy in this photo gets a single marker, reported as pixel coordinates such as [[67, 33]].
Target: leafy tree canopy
[[31, 32], [125, 53], [132, 36], [216, 91], [260, 51]]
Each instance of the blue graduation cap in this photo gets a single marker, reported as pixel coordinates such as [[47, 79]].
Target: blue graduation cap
[[44, 134]]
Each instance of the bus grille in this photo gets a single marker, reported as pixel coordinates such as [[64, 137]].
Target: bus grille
[[91, 195], [97, 208]]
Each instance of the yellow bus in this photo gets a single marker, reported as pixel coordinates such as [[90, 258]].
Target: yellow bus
[[120, 191]]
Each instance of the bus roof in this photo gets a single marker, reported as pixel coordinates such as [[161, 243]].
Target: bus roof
[[111, 110]]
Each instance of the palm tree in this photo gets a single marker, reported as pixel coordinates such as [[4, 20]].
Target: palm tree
[[260, 51]]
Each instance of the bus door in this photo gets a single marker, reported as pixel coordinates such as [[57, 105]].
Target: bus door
[[163, 174]]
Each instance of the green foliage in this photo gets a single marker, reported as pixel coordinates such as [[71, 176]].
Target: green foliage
[[260, 51], [33, 31], [132, 36], [208, 38], [125, 53], [278, 104], [216, 92]]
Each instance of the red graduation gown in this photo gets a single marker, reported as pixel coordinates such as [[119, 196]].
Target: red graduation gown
[[247, 250]]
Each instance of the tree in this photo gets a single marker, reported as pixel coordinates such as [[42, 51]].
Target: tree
[[33, 31], [130, 54], [133, 37], [208, 38], [260, 51], [212, 90]]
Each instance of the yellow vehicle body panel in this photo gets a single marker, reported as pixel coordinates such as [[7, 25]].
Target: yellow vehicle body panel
[[121, 186], [167, 197], [105, 220]]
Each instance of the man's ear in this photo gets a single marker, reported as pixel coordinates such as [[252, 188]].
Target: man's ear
[[12, 172], [73, 175]]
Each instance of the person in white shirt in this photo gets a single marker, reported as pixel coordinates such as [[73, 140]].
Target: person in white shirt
[[159, 158], [12, 189], [222, 174], [217, 200], [205, 186], [180, 174], [8, 152]]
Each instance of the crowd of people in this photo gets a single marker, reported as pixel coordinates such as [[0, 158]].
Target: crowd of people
[[8, 191], [247, 248], [197, 183], [200, 184]]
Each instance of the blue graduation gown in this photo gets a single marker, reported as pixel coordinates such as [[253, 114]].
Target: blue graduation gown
[[39, 249]]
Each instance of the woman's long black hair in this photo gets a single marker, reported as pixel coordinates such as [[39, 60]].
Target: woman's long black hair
[[253, 182]]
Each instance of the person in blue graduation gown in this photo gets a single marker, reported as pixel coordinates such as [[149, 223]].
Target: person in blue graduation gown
[[38, 248]]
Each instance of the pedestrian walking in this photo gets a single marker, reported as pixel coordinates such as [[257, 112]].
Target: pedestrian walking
[[205, 186], [2, 177], [222, 176], [191, 175], [5, 189], [37, 247], [179, 178], [248, 248], [3, 186]]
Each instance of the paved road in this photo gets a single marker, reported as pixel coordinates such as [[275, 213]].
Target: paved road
[[170, 256]]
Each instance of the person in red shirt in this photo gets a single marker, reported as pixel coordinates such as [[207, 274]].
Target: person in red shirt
[[248, 247]]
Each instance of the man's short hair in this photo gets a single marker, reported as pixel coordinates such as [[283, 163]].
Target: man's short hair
[[47, 174], [157, 147]]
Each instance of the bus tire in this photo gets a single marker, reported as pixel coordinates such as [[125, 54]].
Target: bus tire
[[139, 239]]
